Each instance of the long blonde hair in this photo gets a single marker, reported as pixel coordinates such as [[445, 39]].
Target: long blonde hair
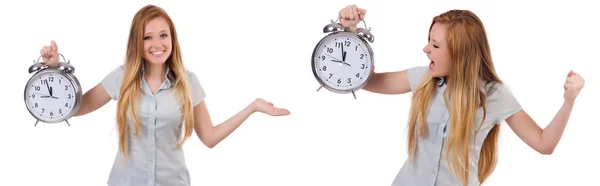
[[131, 87], [471, 63]]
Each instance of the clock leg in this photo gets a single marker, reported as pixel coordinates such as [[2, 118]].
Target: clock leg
[[319, 88], [36, 122], [68, 122], [353, 94]]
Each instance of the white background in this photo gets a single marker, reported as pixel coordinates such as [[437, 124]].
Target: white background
[[243, 50]]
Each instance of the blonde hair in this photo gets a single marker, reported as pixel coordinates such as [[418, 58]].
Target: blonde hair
[[471, 63], [130, 90]]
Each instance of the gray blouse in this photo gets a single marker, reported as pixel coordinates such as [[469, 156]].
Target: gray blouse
[[429, 167], [153, 157]]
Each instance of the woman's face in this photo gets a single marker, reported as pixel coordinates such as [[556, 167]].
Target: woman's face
[[157, 41], [437, 51]]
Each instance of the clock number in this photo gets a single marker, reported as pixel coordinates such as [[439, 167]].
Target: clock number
[[33, 96], [51, 79], [42, 82], [37, 88], [340, 44], [59, 81], [357, 74], [66, 104], [69, 96], [329, 50], [330, 74], [363, 66], [51, 114], [59, 111], [349, 80], [324, 68], [36, 105], [339, 81], [66, 87], [43, 110], [322, 58], [356, 48], [361, 56]]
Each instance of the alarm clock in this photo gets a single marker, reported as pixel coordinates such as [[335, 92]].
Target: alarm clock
[[342, 61], [53, 93]]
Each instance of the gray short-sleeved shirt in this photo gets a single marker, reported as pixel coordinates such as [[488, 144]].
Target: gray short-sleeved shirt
[[429, 167], [153, 157]]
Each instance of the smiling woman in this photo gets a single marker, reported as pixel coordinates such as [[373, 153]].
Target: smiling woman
[[157, 99]]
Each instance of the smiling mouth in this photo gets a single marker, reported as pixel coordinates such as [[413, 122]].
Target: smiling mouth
[[157, 53]]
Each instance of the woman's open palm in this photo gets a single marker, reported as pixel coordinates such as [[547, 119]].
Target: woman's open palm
[[263, 106]]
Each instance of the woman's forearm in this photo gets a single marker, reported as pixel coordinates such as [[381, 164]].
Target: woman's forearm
[[554, 131], [224, 129]]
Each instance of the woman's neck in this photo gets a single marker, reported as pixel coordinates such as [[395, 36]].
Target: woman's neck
[[155, 71]]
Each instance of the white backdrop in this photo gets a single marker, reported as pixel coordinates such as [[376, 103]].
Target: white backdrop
[[243, 50]]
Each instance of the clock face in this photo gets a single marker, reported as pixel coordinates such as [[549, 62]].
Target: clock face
[[342, 61], [50, 96]]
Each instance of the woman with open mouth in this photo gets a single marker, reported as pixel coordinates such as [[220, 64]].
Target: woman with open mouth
[[458, 104]]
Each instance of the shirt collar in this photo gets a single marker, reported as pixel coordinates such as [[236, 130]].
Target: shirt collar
[[441, 81], [166, 83]]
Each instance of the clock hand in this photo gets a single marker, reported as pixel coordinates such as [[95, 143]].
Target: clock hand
[[48, 86], [343, 53], [43, 95], [51, 91], [332, 57], [338, 61]]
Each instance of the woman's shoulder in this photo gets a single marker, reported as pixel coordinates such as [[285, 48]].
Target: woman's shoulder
[[190, 72], [501, 97], [191, 75], [116, 71], [417, 71], [198, 93], [496, 89], [501, 102]]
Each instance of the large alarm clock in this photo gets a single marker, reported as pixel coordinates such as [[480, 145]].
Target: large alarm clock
[[53, 93], [342, 61]]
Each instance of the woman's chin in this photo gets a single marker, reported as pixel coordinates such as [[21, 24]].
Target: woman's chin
[[156, 61]]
